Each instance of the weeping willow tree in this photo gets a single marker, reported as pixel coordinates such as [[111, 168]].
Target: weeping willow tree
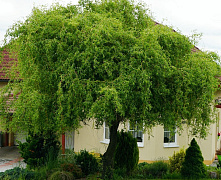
[[107, 61]]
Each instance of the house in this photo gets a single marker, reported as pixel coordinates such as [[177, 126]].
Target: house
[[160, 144]]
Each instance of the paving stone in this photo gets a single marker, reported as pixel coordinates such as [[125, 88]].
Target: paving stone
[[10, 158]]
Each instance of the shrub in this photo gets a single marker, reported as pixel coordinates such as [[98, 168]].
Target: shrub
[[58, 175], [17, 173], [87, 162], [51, 147], [127, 152], [193, 166], [72, 168], [120, 173], [173, 175], [99, 158], [38, 149], [31, 150], [176, 161], [139, 171], [156, 169], [69, 157]]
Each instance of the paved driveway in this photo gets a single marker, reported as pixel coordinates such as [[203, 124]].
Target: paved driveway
[[10, 158]]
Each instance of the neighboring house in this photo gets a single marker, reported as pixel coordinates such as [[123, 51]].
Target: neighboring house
[[6, 139], [160, 144]]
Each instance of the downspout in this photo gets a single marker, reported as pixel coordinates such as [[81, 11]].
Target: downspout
[[63, 143]]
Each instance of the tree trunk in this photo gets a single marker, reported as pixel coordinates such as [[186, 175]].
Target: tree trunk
[[108, 158]]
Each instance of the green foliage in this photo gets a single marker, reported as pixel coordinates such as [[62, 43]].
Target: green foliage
[[39, 149], [69, 157], [106, 60], [193, 166], [31, 150], [119, 173], [127, 152], [139, 171], [140, 166], [44, 171], [87, 162], [156, 169], [174, 175], [176, 161], [17, 173], [217, 170], [98, 59], [219, 163], [72, 168], [58, 175]]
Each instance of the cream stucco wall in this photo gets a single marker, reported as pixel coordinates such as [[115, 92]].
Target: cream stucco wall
[[154, 147], [89, 138], [92, 139]]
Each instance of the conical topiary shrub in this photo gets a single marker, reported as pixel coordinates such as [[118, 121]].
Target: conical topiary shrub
[[127, 152], [193, 166]]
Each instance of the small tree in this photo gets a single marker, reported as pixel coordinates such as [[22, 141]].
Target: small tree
[[87, 162], [127, 152], [193, 166], [39, 149], [176, 161]]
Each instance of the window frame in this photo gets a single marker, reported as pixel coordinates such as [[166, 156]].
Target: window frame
[[139, 144], [105, 140], [170, 144]]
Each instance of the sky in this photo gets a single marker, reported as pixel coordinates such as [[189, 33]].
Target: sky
[[186, 16]]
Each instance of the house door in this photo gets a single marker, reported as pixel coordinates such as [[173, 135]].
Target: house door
[[69, 139]]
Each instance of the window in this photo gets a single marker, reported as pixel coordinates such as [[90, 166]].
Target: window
[[170, 138], [106, 131], [106, 137], [137, 132]]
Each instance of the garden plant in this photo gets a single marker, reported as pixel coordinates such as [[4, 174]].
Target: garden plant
[[193, 166], [127, 153], [176, 161], [39, 149]]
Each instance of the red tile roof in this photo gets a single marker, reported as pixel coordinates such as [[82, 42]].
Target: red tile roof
[[195, 49], [5, 65]]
